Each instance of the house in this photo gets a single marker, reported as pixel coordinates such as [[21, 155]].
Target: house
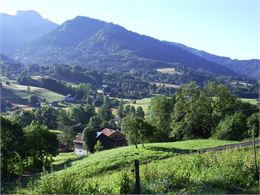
[[78, 145], [54, 104], [109, 138]]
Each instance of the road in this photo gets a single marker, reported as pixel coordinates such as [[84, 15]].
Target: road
[[230, 146]]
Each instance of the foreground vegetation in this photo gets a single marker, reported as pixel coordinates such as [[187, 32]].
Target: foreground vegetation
[[231, 171]]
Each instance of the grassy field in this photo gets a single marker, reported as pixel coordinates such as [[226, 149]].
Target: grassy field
[[251, 101], [64, 158], [166, 85], [110, 164], [144, 103], [17, 94], [56, 131], [167, 70]]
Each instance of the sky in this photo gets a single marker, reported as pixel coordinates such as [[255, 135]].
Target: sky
[[222, 27]]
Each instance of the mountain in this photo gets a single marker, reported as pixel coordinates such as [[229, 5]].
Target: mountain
[[7, 64], [20, 29], [89, 42], [247, 68]]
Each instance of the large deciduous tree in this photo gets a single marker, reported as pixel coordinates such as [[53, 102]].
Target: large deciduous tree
[[159, 116], [12, 145], [41, 144], [136, 130]]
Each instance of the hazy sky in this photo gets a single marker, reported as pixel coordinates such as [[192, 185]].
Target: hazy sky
[[223, 27]]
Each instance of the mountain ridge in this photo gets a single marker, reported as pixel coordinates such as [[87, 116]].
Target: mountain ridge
[[90, 42], [249, 68], [28, 25]]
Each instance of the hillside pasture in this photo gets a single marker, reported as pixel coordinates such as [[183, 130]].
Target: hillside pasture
[[161, 164], [17, 94], [167, 70], [158, 84], [144, 103]]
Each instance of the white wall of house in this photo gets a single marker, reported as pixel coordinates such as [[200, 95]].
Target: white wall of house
[[80, 152]]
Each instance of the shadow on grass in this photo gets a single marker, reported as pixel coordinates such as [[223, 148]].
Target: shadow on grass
[[170, 150], [66, 163], [27, 177]]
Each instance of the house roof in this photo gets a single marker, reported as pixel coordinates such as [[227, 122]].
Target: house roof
[[108, 132]]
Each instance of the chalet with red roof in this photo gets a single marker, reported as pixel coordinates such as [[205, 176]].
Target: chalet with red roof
[[109, 138]]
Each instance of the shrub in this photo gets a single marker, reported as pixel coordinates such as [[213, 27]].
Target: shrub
[[98, 147]]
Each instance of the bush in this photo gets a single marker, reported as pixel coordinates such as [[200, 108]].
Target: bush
[[98, 147], [34, 100]]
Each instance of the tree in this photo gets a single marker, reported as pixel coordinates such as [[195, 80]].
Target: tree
[[89, 138], [63, 118], [12, 145], [140, 112], [67, 137], [105, 112], [28, 90], [136, 130], [41, 144], [192, 114], [47, 116], [95, 122], [253, 124], [233, 127], [224, 102], [98, 101], [159, 116], [120, 111], [23, 117], [34, 100], [81, 114]]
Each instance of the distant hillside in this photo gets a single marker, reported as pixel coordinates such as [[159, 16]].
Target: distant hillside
[[94, 43], [248, 68], [18, 30], [9, 64]]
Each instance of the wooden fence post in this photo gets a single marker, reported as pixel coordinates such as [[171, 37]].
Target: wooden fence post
[[254, 148], [137, 177]]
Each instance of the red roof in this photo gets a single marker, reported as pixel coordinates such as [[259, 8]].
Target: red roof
[[108, 132]]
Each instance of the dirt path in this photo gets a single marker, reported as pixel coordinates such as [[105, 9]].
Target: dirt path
[[230, 146]]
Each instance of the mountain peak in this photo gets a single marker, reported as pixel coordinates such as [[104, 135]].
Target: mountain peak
[[28, 14]]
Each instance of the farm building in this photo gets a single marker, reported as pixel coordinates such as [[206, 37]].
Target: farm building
[[54, 104], [78, 145], [109, 138]]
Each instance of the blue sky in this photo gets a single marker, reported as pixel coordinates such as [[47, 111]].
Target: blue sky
[[223, 27]]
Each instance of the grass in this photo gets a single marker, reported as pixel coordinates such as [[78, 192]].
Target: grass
[[144, 103], [167, 70], [251, 101], [56, 131], [230, 171], [18, 94], [64, 157], [112, 161], [158, 84]]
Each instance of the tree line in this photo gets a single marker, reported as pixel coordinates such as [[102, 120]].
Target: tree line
[[194, 112]]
